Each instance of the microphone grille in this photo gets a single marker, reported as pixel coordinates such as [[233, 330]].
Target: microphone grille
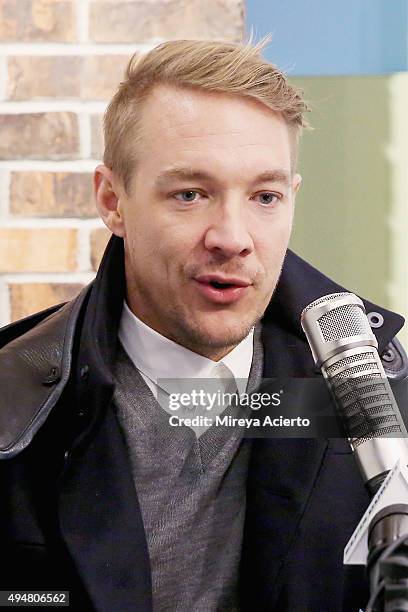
[[343, 322], [333, 321], [363, 395]]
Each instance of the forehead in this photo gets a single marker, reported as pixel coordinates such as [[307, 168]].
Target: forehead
[[179, 108], [180, 123]]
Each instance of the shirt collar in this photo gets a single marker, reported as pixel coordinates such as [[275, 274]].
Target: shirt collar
[[159, 357]]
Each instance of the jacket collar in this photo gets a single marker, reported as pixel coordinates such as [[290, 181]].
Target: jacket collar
[[300, 284]]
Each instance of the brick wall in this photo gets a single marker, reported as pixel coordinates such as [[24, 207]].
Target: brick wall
[[60, 62]]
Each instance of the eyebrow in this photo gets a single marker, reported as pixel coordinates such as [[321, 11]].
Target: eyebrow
[[189, 174]]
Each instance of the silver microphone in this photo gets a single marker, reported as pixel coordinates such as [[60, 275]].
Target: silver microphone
[[344, 347]]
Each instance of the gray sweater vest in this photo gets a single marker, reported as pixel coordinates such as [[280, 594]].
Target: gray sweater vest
[[191, 493]]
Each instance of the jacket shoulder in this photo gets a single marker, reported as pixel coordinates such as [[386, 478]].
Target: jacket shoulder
[[35, 363], [19, 328]]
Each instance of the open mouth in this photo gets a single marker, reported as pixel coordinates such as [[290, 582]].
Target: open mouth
[[220, 292], [218, 285]]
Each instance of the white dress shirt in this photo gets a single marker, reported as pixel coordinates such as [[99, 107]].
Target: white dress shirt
[[158, 357]]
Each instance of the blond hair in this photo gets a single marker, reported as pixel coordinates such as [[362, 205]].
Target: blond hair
[[233, 68]]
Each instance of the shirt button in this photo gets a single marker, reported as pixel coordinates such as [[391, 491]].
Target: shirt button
[[376, 319]]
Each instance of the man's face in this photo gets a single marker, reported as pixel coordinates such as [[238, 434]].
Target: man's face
[[205, 235]]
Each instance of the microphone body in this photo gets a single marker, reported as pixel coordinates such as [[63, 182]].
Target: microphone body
[[345, 348]]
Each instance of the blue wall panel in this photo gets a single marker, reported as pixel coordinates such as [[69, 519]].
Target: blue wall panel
[[317, 37]]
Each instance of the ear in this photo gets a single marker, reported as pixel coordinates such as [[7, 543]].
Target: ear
[[296, 183], [107, 197]]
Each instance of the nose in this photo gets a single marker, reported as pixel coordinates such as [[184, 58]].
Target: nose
[[227, 233]]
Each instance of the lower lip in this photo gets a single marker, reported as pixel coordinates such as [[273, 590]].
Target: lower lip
[[221, 296]]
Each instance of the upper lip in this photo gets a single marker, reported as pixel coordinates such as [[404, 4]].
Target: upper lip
[[230, 280]]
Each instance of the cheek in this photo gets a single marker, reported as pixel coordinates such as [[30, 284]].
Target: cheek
[[180, 242], [271, 249], [273, 240], [157, 253]]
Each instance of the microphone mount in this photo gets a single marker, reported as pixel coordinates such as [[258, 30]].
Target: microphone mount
[[387, 563]]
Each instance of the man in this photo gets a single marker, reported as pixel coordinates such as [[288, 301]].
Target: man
[[103, 497]]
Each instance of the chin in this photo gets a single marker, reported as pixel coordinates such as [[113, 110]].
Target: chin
[[221, 335]]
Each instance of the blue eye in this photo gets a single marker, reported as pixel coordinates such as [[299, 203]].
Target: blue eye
[[274, 198], [190, 192]]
